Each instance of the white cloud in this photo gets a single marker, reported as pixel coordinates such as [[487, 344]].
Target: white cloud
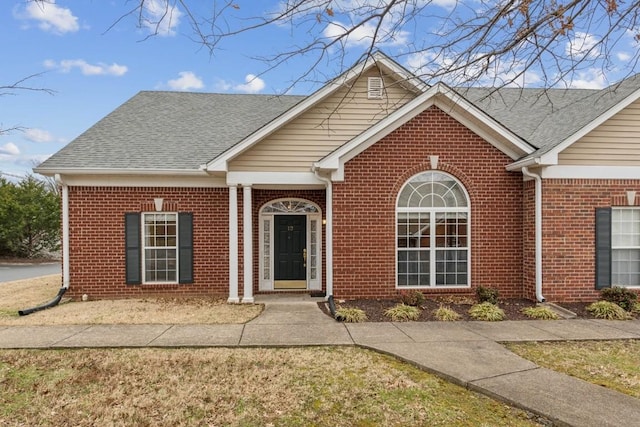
[[9, 149], [494, 72], [160, 17], [51, 17], [38, 135], [363, 35], [623, 56], [583, 44], [99, 69], [593, 78], [186, 81], [253, 84]]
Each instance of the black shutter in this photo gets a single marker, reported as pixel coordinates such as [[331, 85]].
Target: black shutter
[[132, 247], [185, 247], [603, 248]]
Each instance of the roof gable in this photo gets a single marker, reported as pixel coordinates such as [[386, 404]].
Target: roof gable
[[221, 163], [451, 103]]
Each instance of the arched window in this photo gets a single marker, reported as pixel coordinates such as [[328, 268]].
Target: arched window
[[433, 237]]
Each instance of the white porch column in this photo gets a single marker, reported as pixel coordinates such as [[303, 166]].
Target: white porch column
[[66, 275], [247, 208], [233, 245]]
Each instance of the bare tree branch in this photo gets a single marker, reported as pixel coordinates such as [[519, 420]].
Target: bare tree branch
[[490, 42]]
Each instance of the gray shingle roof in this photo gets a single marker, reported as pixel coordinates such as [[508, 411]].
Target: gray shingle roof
[[169, 130], [181, 131], [546, 117]]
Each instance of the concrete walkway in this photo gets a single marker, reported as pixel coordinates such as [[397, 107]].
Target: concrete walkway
[[466, 353]]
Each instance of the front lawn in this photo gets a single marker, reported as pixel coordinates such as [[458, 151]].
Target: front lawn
[[327, 386], [612, 364]]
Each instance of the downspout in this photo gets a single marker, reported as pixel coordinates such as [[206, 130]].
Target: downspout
[[65, 253], [328, 232], [538, 230]]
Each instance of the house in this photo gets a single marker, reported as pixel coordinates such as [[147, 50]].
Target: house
[[374, 184]]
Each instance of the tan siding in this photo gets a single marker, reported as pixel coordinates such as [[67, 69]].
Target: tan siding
[[615, 142], [323, 128]]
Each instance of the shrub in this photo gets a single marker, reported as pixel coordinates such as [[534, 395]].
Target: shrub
[[636, 308], [543, 313], [445, 314], [624, 297], [351, 315], [608, 310], [402, 313], [486, 311], [487, 295], [414, 298]]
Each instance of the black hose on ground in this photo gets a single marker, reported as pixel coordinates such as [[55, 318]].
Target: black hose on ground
[[332, 309], [50, 304]]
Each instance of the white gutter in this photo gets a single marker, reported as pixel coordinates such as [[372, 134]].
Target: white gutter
[[328, 231], [538, 229], [65, 232], [120, 171]]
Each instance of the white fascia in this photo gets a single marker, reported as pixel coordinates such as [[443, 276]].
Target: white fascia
[[133, 177], [590, 172], [447, 100], [284, 180]]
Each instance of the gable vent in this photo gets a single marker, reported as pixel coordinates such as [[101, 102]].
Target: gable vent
[[374, 88]]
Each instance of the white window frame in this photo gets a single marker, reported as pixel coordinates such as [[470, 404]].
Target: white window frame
[[266, 284], [620, 247], [144, 248], [433, 211]]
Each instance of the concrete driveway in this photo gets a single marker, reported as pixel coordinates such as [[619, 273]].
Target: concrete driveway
[[11, 272]]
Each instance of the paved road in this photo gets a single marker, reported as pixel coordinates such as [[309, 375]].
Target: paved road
[[10, 272]]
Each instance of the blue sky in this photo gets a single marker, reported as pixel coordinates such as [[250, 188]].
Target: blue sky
[[92, 66]]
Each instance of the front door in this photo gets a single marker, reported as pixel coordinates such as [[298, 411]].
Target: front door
[[290, 263]]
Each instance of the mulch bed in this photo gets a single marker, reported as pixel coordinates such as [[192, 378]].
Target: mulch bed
[[512, 308]]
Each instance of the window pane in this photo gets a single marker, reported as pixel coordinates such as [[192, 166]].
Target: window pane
[[160, 250], [413, 268], [451, 268], [428, 220], [626, 267]]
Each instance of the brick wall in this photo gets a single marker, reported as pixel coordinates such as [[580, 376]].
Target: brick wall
[[364, 207], [569, 233], [97, 258]]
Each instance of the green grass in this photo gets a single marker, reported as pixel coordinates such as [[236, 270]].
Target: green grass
[[612, 364], [487, 311], [322, 386], [446, 314], [351, 315], [403, 313], [541, 313], [608, 310]]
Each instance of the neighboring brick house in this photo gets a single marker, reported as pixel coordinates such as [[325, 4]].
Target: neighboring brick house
[[374, 184]]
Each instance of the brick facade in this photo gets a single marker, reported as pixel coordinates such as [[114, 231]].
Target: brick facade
[[502, 222], [96, 246], [365, 203], [569, 233]]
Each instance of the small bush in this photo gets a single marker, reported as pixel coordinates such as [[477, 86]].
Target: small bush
[[403, 313], [486, 311], [414, 298], [351, 315], [543, 313], [487, 295], [446, 314], [636, 308], [624, 297], [608, 310]]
